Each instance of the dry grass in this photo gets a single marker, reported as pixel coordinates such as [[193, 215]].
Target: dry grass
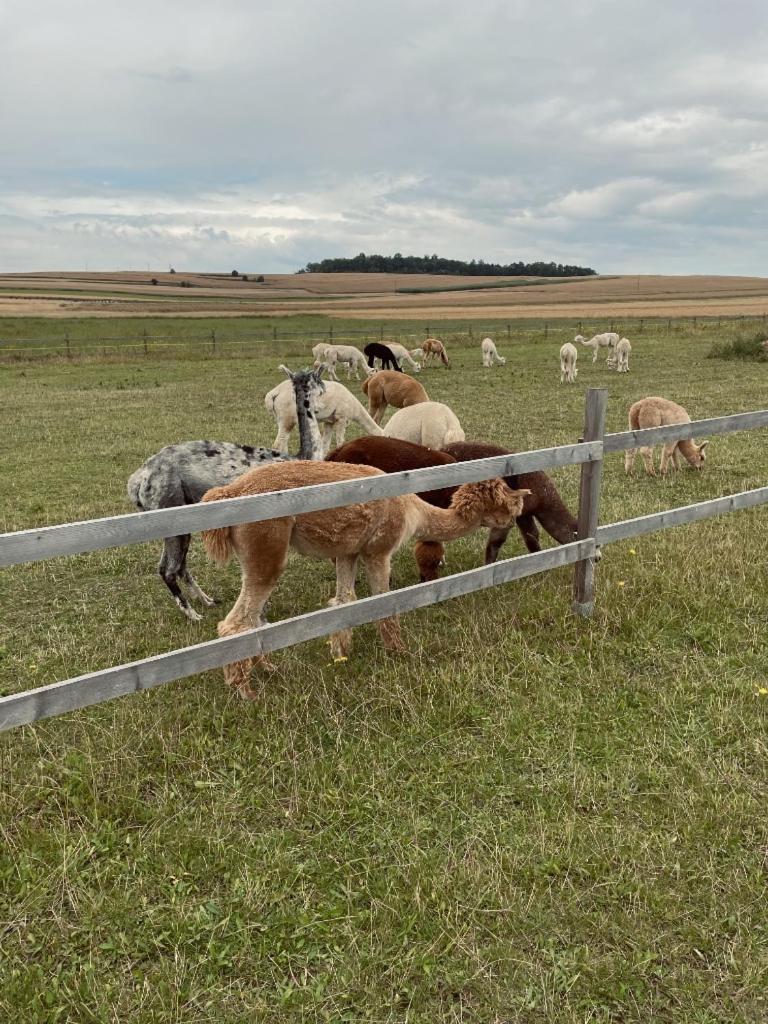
[[366, 296]]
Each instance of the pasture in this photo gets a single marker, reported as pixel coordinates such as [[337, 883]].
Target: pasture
[[530, 817]]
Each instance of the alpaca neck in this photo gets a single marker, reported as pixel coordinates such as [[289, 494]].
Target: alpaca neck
[[310, 441], [442, 523], [689, 451]]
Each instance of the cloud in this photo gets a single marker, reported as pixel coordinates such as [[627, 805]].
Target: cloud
[[266, 135]]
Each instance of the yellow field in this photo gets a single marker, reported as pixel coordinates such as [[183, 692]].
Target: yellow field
[[377, 296]]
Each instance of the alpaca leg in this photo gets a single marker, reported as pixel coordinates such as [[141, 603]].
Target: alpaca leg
[[497, 536], [647, 454], [346, 571], [283, 433], [676, 457], [629, 460], [172, 568], [341, 431], [558, 524], [196, 591], [261, 566], [377, 568], [668, 455], [529, 531]]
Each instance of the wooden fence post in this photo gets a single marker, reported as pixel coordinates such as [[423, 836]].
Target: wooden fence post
[[66, 338], [213, 342], [546, 330], [589, 501], [146, 347]]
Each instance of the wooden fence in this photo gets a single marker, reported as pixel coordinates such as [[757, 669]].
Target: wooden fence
[[75, 538]]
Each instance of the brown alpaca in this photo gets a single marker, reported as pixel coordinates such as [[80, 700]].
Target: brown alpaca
[[434, 348], [390, 388], [372, 531], [543, 503], [660, 412]]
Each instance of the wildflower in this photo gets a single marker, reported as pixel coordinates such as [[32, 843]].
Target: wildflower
[[620, 583], [632, 551], [337, 660], [762, 691]]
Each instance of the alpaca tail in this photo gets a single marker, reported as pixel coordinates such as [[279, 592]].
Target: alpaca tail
[[364, 385], [218, 543]]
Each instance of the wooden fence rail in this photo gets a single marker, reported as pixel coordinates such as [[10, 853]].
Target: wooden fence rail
[[75, 538]]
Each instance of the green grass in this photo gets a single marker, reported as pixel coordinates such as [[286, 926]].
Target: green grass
[[529, 818], [743, 346]]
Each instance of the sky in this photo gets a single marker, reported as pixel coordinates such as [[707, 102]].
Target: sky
[[630, 136]]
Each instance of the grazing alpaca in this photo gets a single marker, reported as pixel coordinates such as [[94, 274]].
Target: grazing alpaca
[[608, 340], [568, 356], [402, 355], [375, 350], [619, 359], [335, 409], [433, 348], [387, 388], [660, 412], [352, 358], [543, 503], [372, 531], [180, 474], [429, 423], [490, 356]]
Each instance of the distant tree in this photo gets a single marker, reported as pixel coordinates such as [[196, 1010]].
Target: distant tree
[[235, 274], [185, 284], [434, 264], [171, 271], [260, 279], [154, 280], [243, 277]]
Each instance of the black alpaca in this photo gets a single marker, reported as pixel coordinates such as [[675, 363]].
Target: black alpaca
[[382, 352]]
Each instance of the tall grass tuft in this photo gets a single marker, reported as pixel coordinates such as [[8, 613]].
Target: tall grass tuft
[[745, 346]]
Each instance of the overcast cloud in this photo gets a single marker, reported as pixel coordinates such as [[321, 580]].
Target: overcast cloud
[[625, 135]]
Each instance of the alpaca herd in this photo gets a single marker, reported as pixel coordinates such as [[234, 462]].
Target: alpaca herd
[[420, 433]]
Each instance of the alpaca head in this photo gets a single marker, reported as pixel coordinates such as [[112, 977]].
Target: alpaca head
[[488, 502], [308, 384], [430, 558], [697, 454]]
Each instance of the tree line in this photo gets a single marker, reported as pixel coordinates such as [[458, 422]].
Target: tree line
[[399, 264]]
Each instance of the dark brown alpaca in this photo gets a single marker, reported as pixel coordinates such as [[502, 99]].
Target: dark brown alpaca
[[543, 503]]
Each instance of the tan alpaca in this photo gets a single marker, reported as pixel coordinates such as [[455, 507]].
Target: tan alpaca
[[660, 412], [372, 531], [434, 348], [388, 387]]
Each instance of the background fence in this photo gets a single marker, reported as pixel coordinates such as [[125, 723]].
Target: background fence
[[227, 341], [73, 538]]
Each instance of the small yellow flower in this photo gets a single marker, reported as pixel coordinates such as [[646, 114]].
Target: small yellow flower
[[762, 692], [620, 583], [632, 551], [337, 660]]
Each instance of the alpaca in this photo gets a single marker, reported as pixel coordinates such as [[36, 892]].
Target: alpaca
[[429, 423], [490, 356], [372, 531], [568, 356], [388, 388], [335, 409], [375, 350], [352, 358], [180, 474], [402, 355], [619, 359], [543, 504], [607, 340], [435, 349], [660, 412]]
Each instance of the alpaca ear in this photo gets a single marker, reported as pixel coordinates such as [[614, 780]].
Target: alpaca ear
[[702, 446], [318, 373], [286, 371]]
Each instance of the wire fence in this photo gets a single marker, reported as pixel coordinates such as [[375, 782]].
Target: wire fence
[[225, 342]]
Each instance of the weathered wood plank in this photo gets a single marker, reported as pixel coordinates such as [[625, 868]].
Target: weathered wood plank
[[114, 531], [70, 694], [679, 431], [680, 516], [589, 501]]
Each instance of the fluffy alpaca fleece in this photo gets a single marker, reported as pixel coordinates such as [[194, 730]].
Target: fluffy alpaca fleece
[[429, 423], [389, 388], [489, 353], [335, 409], [402, 355], [543, 504], [608, 340], [372, 531], [433, 348], [660, 412], [619, 359], [568, 356], [375, 350], [330, 355]]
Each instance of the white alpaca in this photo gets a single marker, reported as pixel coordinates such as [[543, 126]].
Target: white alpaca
[[490, 356], [568, 356], [352, 358], [619, 358], [402, 355], [334, 409], [431, 424], [607, 340]]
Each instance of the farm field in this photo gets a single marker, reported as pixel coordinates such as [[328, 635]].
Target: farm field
[[377, 296], [529, 818]]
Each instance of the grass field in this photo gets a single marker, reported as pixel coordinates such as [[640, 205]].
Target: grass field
[[530, 818]]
